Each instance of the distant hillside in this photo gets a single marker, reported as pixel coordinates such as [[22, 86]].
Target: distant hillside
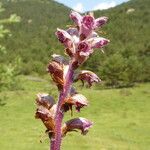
[[125, 61], [34, 38], [128, 55]]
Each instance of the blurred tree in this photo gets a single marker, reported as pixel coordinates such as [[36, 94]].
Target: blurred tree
[[7, 71]]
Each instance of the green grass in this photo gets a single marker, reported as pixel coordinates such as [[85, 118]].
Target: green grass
[[121, 119]]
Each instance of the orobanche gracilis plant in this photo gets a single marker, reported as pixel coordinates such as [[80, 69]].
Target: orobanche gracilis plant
[[79, 42]]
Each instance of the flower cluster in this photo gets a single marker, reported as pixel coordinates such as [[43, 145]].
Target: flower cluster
[[79, 42]]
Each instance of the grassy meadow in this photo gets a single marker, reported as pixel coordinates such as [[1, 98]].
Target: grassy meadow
[[121, 119]]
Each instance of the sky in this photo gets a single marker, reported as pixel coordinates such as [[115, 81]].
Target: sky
[[88, 5]]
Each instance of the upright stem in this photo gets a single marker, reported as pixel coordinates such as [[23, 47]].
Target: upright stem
[[59, 113], [52, 144]]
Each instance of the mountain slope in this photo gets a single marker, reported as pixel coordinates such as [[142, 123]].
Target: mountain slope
[[126, 59], [34, 37]]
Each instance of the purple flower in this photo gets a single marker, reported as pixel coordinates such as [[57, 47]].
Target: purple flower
[[86, 24], [77, 123], [76, 17], [78, 100], [64, 37], [98, 42], [100, 21], [84, 49], [88, 76]]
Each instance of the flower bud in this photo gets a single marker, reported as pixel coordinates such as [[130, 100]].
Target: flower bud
[[56, 71], [77, 123]]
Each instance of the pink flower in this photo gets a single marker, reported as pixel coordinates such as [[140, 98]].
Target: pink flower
[[86, 24], [64, 37], [77, 123], [78, 100], [88, 76], [76, 17], [84, 49], [98, 42], [100, 22]]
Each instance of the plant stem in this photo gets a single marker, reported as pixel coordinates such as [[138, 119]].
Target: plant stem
[[59, 113], [52, 144]]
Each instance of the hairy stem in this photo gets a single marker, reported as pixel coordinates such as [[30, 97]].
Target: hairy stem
[[59, 113]]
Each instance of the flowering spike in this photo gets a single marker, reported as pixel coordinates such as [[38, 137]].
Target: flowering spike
[[79, 41]]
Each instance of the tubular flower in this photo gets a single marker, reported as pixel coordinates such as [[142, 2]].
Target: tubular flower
[[99, 22], [84, 49], [76, 17], [77, 123], [64, 37], [86, 27], [78, 100], [98, 42], [87, 76]]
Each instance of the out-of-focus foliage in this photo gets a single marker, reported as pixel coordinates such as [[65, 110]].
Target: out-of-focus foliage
[[125, 61], [8, 71]]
